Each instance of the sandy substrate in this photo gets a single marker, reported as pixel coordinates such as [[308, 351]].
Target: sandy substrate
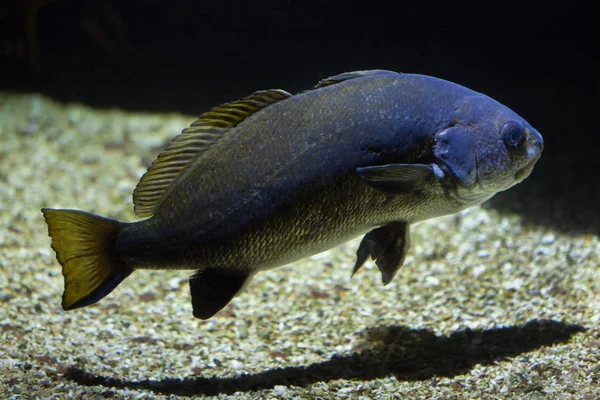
[[486, 305]]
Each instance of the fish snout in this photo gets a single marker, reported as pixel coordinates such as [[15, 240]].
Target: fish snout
[[535, 143], [534, 146]]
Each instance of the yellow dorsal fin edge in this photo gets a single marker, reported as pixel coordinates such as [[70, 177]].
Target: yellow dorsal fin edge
[[162, 176]]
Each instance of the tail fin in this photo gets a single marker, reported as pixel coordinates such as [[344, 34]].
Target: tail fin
[[83, 244]]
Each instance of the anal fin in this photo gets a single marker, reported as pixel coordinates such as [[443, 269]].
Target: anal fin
[[388, 246], [212, 289]]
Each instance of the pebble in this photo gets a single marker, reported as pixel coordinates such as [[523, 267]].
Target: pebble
[[549, 238]]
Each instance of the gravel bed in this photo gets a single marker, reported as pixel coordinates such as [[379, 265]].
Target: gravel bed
[[486, 306]]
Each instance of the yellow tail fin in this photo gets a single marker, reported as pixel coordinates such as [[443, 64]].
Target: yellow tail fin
[[84, 244]]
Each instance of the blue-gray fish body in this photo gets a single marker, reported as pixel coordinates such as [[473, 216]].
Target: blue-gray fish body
[[274, 178]]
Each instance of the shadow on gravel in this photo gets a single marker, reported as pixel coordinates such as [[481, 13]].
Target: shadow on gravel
[[407, 354]]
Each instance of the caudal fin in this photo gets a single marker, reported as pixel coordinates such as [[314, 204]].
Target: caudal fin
[[83, 244]]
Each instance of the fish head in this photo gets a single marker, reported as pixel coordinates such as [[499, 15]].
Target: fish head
[[486, 148]]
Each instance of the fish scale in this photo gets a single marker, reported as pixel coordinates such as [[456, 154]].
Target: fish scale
[[272, 178]]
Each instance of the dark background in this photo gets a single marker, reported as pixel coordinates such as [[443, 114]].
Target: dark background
[[191, 55]]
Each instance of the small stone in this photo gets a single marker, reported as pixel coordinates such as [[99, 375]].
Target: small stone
[[147, 296], [549, 238], [280, 390], [432, 281], [477, 271], [174, 283], [513, 284]]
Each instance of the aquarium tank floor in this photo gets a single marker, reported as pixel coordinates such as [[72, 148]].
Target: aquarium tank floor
[[489, 304]]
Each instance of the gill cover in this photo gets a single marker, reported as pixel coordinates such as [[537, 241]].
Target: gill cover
[[456, 148]]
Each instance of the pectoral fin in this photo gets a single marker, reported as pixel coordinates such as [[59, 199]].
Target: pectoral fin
[[212, 289], [400, 178], [388, 246]]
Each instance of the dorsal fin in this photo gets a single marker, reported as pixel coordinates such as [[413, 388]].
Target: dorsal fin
[[185, 148], [332, 80]]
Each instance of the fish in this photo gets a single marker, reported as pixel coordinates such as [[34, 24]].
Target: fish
[[273, 178]]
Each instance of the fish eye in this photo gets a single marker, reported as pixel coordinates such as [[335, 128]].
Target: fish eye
[[512, 133]]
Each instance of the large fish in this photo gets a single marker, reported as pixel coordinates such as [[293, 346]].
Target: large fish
[[274, 177]]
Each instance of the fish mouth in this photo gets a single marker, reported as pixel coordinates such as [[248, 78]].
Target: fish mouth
[[534, 152], [535, 145], [524, 172]]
